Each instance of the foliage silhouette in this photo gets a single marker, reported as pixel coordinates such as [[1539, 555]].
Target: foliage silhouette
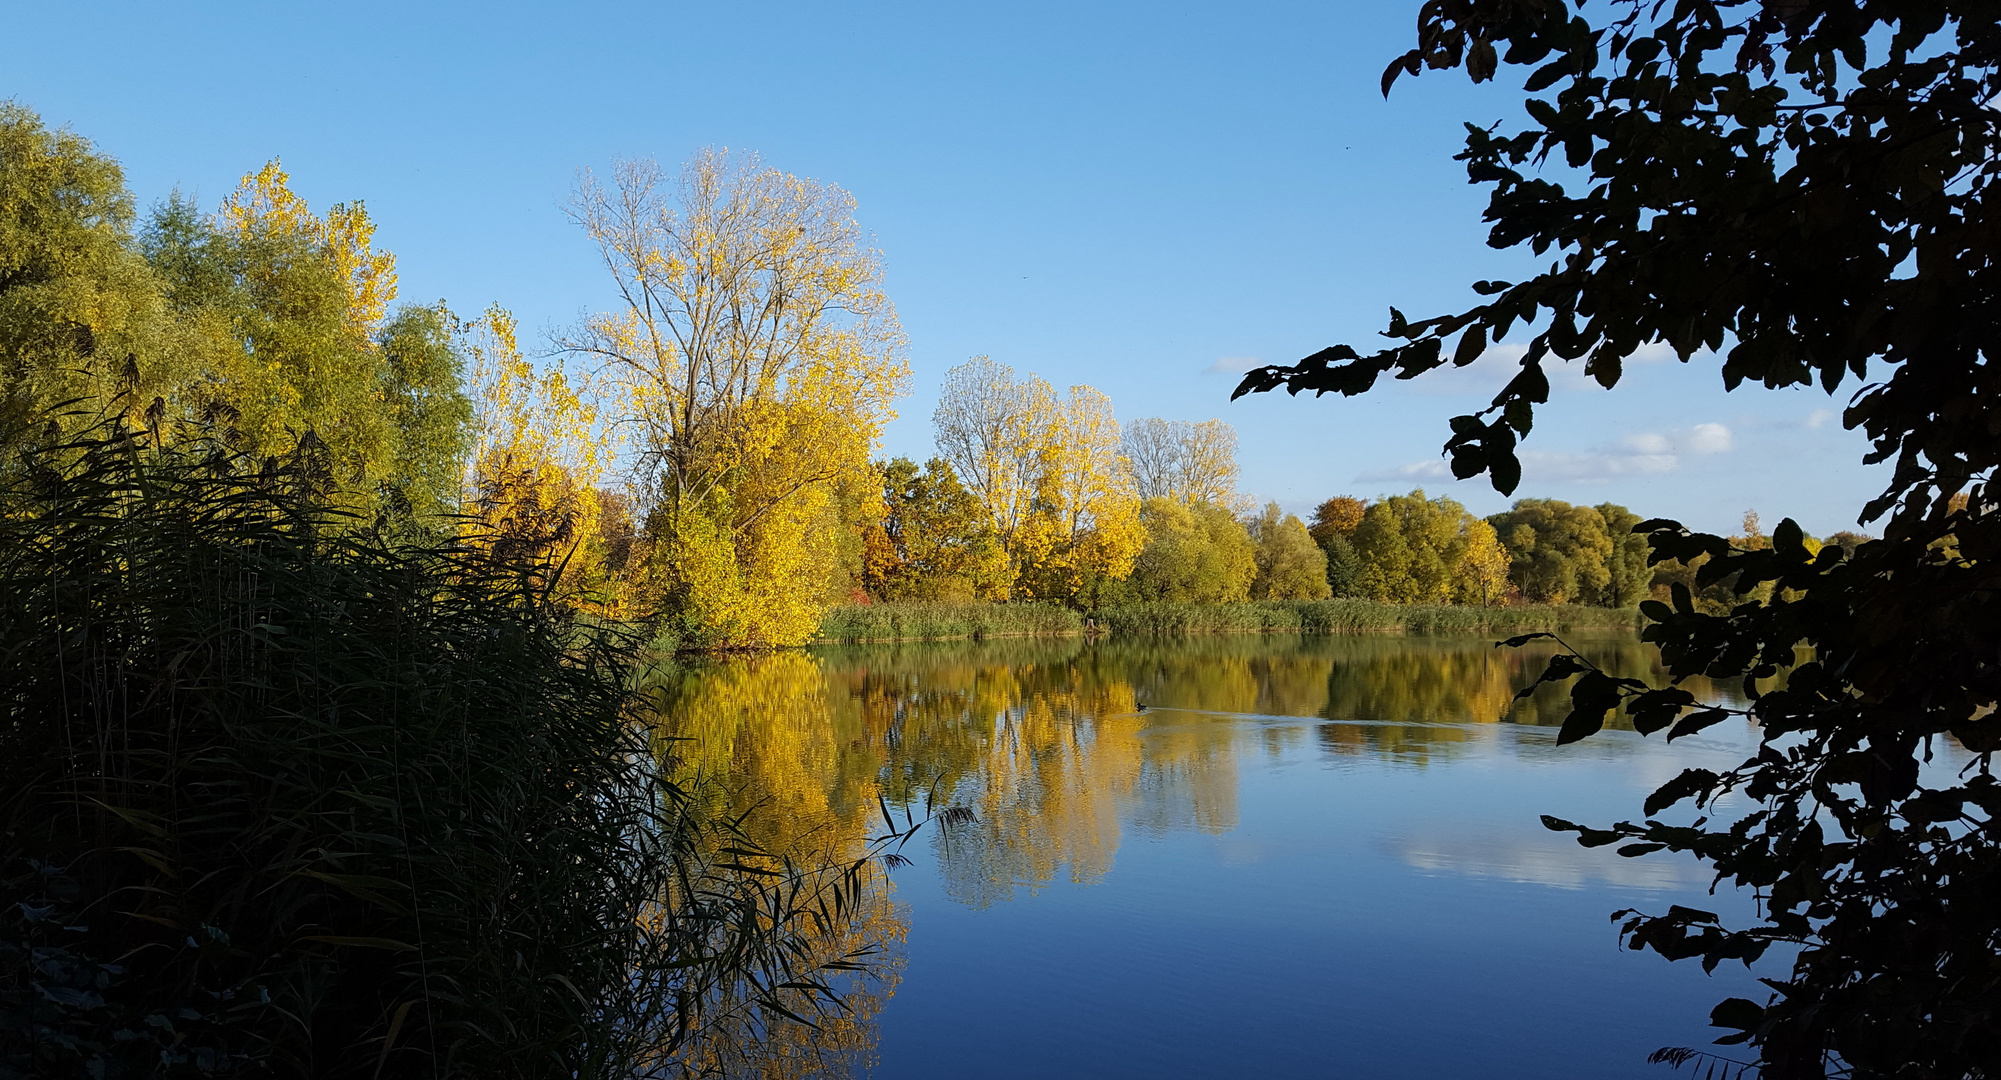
[[1804, 188]]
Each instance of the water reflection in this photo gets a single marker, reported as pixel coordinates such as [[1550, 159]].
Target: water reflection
[[1059, 746], [1062, 748], [1538, 858]]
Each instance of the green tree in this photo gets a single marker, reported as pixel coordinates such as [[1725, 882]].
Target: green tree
[[1804, 190], [1414, 550], [1333, 528], [282, 312], [1289, 565], [930, 543], [423, 391], [1386, 557], [1557, 553], [81, 316], [1627, 574], [1344, 567], [1195, 553]]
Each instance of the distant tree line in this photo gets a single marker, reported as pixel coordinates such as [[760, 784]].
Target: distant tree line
[[1165, 524]]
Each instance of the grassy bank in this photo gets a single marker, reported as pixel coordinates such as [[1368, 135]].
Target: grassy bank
[[930, 621], [933, 621]]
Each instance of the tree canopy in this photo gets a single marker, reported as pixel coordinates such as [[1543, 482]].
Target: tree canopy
[[755, 358], [1195, 553], [1289, 565]]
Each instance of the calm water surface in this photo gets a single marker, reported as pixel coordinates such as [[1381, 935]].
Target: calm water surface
[[1305, 857]]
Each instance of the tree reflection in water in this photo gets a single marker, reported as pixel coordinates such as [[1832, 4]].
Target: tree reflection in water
[[1046, 742]]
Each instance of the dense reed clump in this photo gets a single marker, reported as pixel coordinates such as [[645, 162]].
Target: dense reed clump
[[1355, 616], [889, 622], [918, 620], [284, 796]]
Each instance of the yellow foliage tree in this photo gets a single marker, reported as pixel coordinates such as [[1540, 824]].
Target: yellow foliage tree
[[264, 202], [533, 482], [993, 429], [281, 316], [1483, 565], [1415, 550], [1089, 500], [754, 358], [1049, 473]]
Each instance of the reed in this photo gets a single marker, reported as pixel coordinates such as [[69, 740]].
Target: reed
[[913, 622], [922, 621], [284, 795]]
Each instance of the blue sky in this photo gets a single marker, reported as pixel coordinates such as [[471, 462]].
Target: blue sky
[[1144, 198]]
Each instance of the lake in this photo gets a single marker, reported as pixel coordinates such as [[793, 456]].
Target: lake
[[1216, 856]]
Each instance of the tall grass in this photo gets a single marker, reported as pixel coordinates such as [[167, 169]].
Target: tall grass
[[1355, 616], [928, 621], [911, 622], [283, 796]]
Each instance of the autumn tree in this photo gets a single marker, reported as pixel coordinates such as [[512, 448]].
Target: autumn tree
[[283, 317], [993, 429], [1627, 575], [1483, 565], [1087, 508], [1290, 566], [1416, 550], [265, 324], [1048, 472], [1333, 528], [1337, 516], [1800, 195], [536, 481], [752, 359], [931, 541], [1180, 459]]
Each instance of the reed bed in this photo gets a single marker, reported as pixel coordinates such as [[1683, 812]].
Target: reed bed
[[280, 795], [938, 621], [907, 622], [1355, 616]]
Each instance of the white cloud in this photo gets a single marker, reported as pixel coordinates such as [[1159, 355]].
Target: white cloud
[[1707, 439], [1606, 464], [1648, 443], [1646, 453], [1818, 417], [1541, 859], [1653, 352], [1423, 470], [1234, 365]]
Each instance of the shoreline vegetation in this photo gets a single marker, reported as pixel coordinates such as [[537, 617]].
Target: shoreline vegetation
[[941, 621]]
